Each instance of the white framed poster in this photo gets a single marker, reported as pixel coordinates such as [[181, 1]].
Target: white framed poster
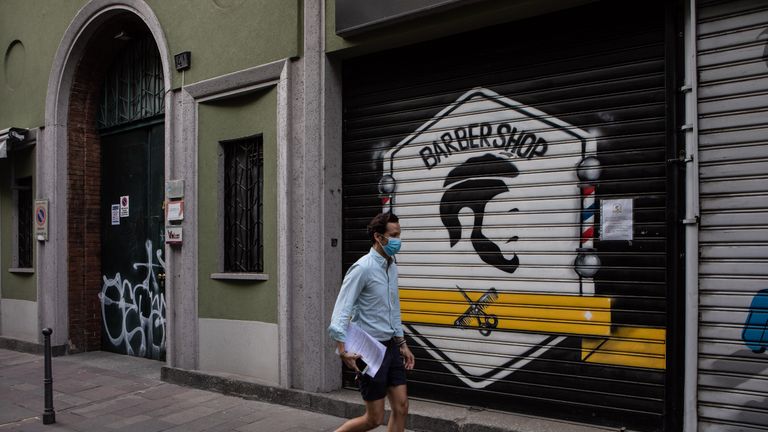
[[616, 219]]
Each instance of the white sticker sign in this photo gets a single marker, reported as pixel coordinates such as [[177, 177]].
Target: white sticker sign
[[616, 219], [175, 211], [115, 214], [125, 205]]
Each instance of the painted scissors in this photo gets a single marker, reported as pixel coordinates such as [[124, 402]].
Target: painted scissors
[[486, 322]]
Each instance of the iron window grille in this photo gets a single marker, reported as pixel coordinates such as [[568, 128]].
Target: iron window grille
[[243, 205], [133, 87], [24, 210]]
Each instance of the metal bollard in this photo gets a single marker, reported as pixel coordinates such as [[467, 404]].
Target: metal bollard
[[49, 415]]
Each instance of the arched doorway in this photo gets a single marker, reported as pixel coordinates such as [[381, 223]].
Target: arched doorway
[[130, 123], [115, 174]]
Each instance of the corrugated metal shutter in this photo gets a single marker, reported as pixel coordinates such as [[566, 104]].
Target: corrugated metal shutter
[[474, 141], [733, 142]]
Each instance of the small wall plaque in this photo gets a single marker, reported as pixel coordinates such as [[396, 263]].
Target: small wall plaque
[[173, 235], [174, 189]]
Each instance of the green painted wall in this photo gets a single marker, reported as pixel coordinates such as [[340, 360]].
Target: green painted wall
[[19, 286], [39, 25], [227, 39], [231, 119], [223, 36]]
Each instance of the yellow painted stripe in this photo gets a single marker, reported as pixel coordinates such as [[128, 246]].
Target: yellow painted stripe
[[541, 313], [628, 346]]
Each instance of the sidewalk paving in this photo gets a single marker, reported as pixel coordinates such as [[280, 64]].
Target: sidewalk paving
[[99, 391]]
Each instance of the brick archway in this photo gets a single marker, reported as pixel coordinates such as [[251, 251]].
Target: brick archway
[[84, 179]]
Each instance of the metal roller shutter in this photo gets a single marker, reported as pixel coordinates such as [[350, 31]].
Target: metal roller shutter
[[475, 142], [733, 157]]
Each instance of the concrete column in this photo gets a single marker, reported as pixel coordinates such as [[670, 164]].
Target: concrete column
[[51, 262], [332, 209], [181, 262], [314, 219]]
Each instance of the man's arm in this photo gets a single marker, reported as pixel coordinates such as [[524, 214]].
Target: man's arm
[[408, 357], [351, 287], [348, 358]]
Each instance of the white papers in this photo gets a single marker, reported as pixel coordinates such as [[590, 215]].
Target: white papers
[[115, 214], [369, 349], [616, 219]]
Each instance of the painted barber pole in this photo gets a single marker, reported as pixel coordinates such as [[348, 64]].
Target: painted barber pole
[[587, 262], [588, 215]]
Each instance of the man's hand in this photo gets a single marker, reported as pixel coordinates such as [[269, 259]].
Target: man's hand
[[349, 359], [408, 358]]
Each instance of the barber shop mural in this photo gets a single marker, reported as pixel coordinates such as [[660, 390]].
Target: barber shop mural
[[497, 212], [532, 196]]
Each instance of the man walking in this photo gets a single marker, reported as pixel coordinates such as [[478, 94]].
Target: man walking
[[369, 298]]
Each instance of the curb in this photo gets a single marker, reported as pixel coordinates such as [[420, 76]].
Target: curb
[[326, 403], [30, 347]]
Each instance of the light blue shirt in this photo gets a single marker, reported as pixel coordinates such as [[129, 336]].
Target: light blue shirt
[[369, 297]]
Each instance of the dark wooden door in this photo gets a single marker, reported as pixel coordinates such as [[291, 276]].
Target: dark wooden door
[[133, 267]]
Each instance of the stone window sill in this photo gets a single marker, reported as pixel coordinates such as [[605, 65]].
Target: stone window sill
[[240, 276], [21, 270]]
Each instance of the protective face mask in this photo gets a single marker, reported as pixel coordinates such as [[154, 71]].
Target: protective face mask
[[392, 247]]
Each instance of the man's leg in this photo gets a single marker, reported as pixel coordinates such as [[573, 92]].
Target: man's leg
[[398, 401], [374, 415]]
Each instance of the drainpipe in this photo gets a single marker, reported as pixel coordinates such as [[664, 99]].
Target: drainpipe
[[690, 386]]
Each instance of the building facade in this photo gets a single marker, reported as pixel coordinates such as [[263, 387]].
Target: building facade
[[581, 187]]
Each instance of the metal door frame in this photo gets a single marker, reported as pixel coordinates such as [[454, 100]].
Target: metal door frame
[[676, 165]]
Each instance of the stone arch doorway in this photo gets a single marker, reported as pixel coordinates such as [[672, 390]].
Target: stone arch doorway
[[116, 286], [130, 124], [77, 295]]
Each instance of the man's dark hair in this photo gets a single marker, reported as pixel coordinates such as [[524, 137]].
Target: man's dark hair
[[469, 187], [379, 224]]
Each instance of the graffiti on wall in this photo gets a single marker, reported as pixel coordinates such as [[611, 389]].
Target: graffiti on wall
[[133, 312], [497, 207]]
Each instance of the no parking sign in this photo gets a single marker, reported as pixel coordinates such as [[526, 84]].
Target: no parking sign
[[41, 220]]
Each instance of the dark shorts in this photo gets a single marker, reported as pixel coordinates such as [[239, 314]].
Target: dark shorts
[[391, 373]]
